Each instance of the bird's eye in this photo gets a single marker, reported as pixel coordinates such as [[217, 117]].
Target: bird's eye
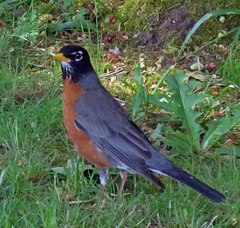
[[78, 56]]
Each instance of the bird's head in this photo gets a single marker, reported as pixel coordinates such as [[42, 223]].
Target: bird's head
[[75, 62]]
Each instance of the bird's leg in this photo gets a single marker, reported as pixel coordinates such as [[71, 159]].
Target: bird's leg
[[124, 175], [103, 180]]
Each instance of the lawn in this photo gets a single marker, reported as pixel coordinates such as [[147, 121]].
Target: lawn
[[34, 149], [44, 183]]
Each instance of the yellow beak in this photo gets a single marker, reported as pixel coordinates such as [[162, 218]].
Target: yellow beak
[[61, 57]]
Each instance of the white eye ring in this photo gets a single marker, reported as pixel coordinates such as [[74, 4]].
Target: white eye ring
[[78, 56]]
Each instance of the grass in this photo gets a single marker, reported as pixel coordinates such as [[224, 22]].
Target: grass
[[34, 148], [230, 68], [33, 141]]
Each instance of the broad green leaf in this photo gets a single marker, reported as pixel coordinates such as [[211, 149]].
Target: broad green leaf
[[138, 77], [228, 150], [183, 101], [141, 96], [59, 170], [67, 3], [157, 133], [180, 142], [139, 115], [136, 103], [157, 99], [27, 28], [217, 129]]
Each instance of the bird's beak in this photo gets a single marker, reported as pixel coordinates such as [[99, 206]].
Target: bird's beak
[[61, 57]]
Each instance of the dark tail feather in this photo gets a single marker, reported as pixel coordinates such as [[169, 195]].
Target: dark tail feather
[[163, 166], [149, 175], [187, 179]]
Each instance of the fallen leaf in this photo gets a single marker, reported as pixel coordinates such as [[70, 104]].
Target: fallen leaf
[[229, 142], [115, 50], [215, 88], [63, 34], [199, 75], [121, 36], [219, 114], [111, 19], [196, 66], [2, 23], [210, 66], [189, 58], [112, 57], [107, 39], [234, 222]]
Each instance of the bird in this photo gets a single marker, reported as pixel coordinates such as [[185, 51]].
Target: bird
[[105, 135]]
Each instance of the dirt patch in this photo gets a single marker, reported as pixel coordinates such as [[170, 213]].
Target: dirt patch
[[173, 24]]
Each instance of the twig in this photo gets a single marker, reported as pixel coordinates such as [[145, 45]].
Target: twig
[[119, 70], [79, 201]]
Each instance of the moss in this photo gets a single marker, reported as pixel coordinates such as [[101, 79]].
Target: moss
[[212, 27], [137, 13], [140, 15]]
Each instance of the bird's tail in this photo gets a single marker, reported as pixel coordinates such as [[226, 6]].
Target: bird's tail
[[165, 167]]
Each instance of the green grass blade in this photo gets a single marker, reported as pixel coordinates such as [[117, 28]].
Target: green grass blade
[[138, 77], [169, 70], [209, 43], [2, 175], [205, 18], [235, 39]]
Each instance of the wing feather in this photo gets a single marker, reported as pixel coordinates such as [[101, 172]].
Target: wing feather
[[110, 128]]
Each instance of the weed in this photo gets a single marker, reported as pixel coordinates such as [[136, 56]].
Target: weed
[[34, 150], [204, 19], [181, 100], [230, 68]]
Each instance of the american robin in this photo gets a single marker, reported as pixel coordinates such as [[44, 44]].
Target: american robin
[[105, 135]]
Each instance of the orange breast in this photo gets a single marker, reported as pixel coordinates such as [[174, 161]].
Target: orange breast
[[84, 146]]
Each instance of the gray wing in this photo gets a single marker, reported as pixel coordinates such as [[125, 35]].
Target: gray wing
[[104, 121], [109, 127]]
